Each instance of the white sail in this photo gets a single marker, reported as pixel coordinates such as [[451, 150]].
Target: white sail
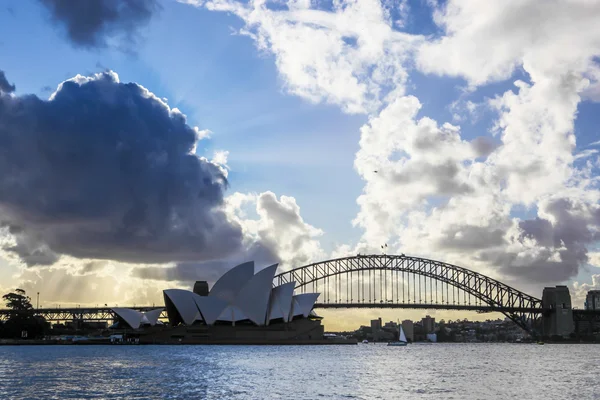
[[402, 335]]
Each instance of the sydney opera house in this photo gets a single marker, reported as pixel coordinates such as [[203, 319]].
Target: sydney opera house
[[241, 307]]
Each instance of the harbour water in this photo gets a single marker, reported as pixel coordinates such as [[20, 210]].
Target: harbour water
[[365, 371]]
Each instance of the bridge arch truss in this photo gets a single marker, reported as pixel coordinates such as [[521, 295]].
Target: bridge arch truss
[[399, 281]]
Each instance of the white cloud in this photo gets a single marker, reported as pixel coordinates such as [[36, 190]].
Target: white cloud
[[580, 289], [466, 111], [404, 161], [533, 167], [594, 258], [487, 41], [537, 131], [220, 160], [349, 56], [277, 226], [585, 154]]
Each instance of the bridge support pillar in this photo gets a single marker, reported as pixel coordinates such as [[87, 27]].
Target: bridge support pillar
[[559, 321]]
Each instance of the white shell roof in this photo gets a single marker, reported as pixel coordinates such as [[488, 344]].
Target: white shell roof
[[183, 300], [232, 314], [210, 307], [132, 317], [151, 317], [303, 303], [281, 301], [136, 318], [253, 299], [238, 295], [230, 284]]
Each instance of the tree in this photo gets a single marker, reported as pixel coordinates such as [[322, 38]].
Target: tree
[[22, 317], [19, 302], [443, 335]]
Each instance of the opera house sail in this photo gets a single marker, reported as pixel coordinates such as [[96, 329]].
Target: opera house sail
[[240, 295], [135, 319], [241, 307]]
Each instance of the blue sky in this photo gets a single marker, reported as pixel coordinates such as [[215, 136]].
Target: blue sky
[[277, 141]]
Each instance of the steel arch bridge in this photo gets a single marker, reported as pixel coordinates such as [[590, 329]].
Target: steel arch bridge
[[399, 281]]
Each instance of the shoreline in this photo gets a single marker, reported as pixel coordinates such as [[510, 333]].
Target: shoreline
[[324, 342]]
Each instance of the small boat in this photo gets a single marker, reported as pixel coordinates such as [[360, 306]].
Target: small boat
[[365, 341], [540, 342], [401, 339]]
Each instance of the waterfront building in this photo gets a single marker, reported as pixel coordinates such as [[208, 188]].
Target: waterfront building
[[409, 329], [242, 307], [592, 300], [376, 324], [240, 296], [428, 324], [391, 325]]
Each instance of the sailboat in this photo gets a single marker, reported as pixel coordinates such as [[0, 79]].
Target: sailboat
[[401, 338]]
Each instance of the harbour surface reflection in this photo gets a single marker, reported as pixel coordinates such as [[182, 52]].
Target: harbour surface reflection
[[372, 371]]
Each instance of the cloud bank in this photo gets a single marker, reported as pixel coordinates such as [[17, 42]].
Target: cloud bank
[[105, 169], [274, 232]]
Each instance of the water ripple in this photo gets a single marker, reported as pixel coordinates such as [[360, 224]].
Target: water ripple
[[373, 371]]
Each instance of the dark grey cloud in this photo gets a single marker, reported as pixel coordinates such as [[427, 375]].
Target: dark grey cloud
[[5, 87], [210, 270], [106, 170], [31, 251], [572, 228], [90, 23], [92, 267]]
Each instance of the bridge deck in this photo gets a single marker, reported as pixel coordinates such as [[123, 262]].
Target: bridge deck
[[78, 313], [463, 307], [106, 313]]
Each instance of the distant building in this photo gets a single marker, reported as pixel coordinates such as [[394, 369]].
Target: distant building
[[432, 337], [409, 329], [592, 300], [428, 324], [376, 324], [390, 325]]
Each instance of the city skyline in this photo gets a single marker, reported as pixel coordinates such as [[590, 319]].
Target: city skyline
[[295, 132]]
